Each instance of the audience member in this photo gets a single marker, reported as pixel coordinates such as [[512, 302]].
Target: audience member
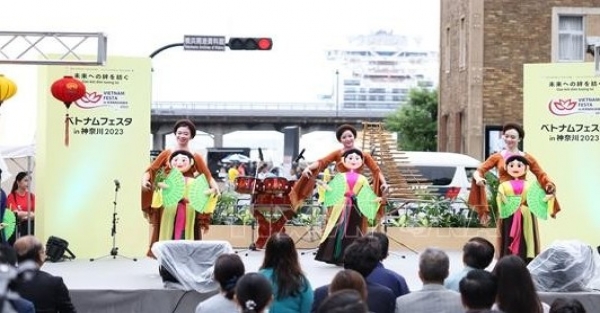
[[344, 301], [8, 257], [47, 292], [291, 289], [363, 256], [516, 291], [349, 279], [478, 253], [253, 293], [562, 305], [228, 269], [434, 265], [478, 291], [384, 276]]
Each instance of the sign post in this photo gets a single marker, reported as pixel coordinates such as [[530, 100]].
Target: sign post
[[204, 43]]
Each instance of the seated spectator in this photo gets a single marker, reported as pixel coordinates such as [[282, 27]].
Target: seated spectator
[[362, 256], [384, 276], [228, 269], [344, 301], [516, 291], [253, 293], [47, 292], [291, 289], [562, 305], [349, 279], [434, 265], [8, 257], [478, 253], [478, 291]]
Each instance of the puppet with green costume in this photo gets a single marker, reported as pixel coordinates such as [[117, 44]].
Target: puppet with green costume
[[520, 202], [182, 197], [349, 197]]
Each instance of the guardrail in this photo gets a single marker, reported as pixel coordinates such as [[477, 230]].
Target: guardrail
[[264, 109]]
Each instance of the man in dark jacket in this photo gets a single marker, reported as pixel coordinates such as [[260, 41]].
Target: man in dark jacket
[[48, 293]]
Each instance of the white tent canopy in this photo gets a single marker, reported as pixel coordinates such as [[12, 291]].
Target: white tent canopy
[[15, 159]]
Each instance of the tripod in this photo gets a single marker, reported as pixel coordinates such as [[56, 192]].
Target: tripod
[[385, 227], [311, 232], [114, 252]]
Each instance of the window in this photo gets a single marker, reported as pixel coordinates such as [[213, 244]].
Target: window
[[462, 42], [436, 175], [570, 38]]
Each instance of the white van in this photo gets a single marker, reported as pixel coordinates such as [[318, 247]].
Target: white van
[[449, 174]]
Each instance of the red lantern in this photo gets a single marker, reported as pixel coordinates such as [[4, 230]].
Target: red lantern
[[68, 90]]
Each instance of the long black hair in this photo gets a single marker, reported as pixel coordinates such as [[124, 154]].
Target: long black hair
[[281, 256], [18, 178]]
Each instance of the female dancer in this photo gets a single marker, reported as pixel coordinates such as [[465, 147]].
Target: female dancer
[[345, 134], [512, 134], [184, 131]]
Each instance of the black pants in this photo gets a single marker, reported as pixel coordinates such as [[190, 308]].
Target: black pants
[[21, 231]]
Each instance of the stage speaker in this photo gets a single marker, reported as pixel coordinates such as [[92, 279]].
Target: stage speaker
[[56, 248]]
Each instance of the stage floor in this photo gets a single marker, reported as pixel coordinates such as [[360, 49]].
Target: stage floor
[[122, 285]]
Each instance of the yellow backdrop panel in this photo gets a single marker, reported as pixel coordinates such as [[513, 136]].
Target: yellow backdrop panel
[[108, 140], [561, 117]]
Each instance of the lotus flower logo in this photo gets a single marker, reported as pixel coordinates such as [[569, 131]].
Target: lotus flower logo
[[563, 106], [90, 100]]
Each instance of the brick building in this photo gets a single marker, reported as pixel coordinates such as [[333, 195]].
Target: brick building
[[483, 46]]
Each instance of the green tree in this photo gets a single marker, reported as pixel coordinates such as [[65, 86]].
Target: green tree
[[416, 121]]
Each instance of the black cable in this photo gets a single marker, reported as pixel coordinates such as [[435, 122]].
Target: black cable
[[180, 299]]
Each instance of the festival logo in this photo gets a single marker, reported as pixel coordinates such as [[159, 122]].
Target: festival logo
[[563, 107], [115, 99]]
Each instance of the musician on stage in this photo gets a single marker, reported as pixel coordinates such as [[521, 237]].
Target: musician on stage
[[346, 135]]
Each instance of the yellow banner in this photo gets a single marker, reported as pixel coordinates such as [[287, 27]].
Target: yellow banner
[[561, 118], [80, 184]]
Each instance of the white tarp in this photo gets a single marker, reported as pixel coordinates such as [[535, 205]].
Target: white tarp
[[15, 159]]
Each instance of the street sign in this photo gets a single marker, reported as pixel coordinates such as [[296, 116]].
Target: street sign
[[204, 43]]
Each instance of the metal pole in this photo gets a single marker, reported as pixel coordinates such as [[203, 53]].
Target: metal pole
[[337, 92]]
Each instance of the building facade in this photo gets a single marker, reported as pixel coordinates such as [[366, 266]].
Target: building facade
[[483, 47]]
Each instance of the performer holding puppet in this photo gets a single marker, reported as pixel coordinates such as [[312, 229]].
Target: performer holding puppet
[[349, 197], [519, 202], [184, 131], [512, 134], [182, 197], [346, 135]]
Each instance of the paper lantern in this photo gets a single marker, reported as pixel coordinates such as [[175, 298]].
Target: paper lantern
[[67, 90], [7, 89]]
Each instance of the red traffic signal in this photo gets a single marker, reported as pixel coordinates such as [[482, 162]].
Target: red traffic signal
[[250, 43]]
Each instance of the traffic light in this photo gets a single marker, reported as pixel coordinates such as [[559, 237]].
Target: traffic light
[[250, 43]]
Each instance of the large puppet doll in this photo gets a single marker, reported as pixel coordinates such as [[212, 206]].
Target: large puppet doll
[[182, 197], [349, 197], [520, 202]]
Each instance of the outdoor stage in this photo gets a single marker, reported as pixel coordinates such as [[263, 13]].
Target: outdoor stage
[[121, 285]]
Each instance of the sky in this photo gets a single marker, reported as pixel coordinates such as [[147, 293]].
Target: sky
[[294, 71]]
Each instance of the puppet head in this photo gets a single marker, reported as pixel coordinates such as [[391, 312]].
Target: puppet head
[[181, 160], [517, 166], [353, 159]]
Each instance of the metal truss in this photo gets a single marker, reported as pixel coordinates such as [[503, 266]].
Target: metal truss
[[52, 48]]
